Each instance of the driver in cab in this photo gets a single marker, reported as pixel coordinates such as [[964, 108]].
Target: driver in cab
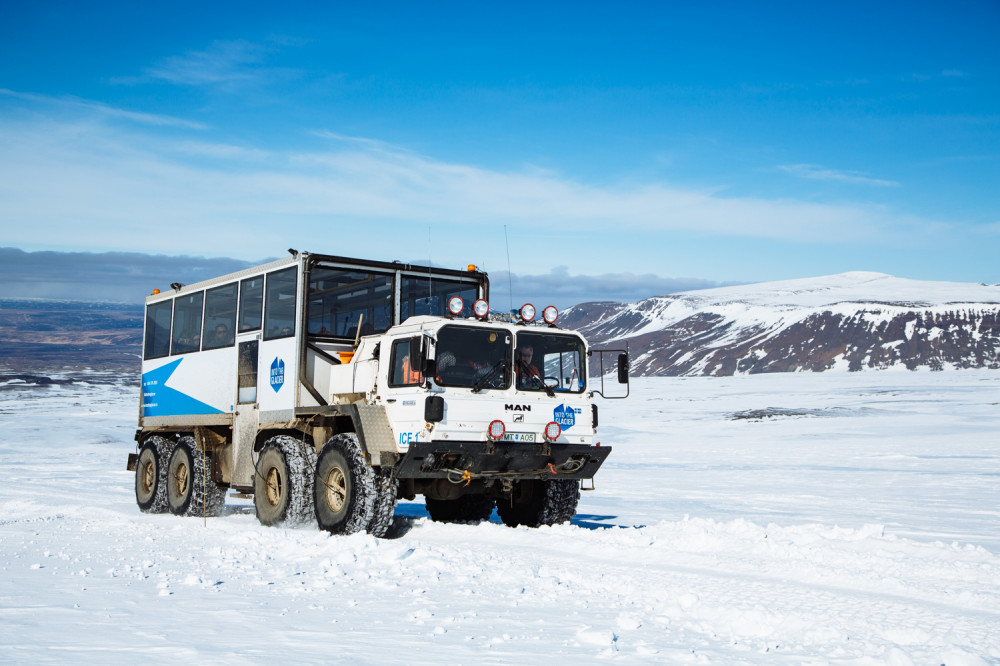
[[527, 374]]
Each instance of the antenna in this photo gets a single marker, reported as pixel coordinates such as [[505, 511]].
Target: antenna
[[510, 281], [430, 275]]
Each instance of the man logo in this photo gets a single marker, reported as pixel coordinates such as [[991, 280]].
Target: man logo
[[517, 408]]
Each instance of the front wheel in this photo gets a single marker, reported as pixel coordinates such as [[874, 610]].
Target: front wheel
[[384, 506], [345, 488], [535, 503]]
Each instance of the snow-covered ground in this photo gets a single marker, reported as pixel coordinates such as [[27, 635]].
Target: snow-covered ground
[[796, 518]]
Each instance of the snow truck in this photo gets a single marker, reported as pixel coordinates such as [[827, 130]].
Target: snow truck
[[327, 388]]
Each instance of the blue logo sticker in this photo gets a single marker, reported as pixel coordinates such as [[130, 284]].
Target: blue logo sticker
[[277, 374], [565, 416]]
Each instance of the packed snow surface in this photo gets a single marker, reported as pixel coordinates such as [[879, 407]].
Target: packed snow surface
[[779, 519]]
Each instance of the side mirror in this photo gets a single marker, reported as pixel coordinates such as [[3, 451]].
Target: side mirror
[[430, 367], [623, 368]]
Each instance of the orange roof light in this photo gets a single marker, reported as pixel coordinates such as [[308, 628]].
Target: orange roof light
[[155, 292], [472, 268]]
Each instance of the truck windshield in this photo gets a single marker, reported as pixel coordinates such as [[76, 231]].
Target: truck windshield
[[473, 357], [550, 360]]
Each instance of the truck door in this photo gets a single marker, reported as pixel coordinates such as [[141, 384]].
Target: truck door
[[406, 392]]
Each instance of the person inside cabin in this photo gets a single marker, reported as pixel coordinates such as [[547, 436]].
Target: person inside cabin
[[222, 337], [406, 373], [527, 374]]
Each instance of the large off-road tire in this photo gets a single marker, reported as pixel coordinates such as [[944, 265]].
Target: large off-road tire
[[384, 506], [190, 488], [535, 503], [282, 487], [345, 488], [151, 474], [464, 509]]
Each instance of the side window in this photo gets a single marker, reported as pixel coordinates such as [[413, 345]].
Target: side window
[[157, 330], [220, 317], [403, 371], [279, 304], [420, 296], [251, 303], [187, 323], [343, 302], [248, 372]]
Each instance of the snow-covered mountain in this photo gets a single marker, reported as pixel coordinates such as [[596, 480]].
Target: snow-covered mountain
[[852, 321]]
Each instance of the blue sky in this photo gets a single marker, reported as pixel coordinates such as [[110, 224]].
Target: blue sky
[[630, 144]]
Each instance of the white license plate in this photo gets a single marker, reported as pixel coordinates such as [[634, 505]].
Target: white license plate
[[519, 437]]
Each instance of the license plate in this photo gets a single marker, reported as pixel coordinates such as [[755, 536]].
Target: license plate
[[519, 437]]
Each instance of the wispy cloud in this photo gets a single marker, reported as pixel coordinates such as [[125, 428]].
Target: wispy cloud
[[816, 172], [222, 62], [226, 64], [70, 101]]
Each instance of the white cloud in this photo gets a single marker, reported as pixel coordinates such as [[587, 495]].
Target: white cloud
[[86, 182], [815, 172]]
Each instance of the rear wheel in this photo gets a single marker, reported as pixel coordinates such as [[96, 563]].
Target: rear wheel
[[464, 509], [535, 503], [151, 475], [345, 488], [190, 488], [282, 482]]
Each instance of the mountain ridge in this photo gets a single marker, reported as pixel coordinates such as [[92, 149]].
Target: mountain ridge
[[855, 321]]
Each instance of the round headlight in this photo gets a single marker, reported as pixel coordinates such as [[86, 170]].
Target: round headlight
[[552, 431], [550, 314], [455, 305], [496, 430], [527, 312], [481, 308]]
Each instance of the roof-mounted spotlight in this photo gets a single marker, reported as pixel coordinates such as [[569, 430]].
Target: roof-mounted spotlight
[[294, 253], [527, 312], [550, 314], [481, 308], [176, 286], [455, 305]]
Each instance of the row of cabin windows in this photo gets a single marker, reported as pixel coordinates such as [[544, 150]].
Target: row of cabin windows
[[341, 303], [210, 319], [344, 303]]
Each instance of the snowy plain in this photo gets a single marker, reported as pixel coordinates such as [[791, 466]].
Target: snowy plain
[[832, 518]]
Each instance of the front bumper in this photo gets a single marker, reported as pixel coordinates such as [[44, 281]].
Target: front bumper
[[485, 460]]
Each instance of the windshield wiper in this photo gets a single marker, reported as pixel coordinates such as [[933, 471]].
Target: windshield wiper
[[481, 384]]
